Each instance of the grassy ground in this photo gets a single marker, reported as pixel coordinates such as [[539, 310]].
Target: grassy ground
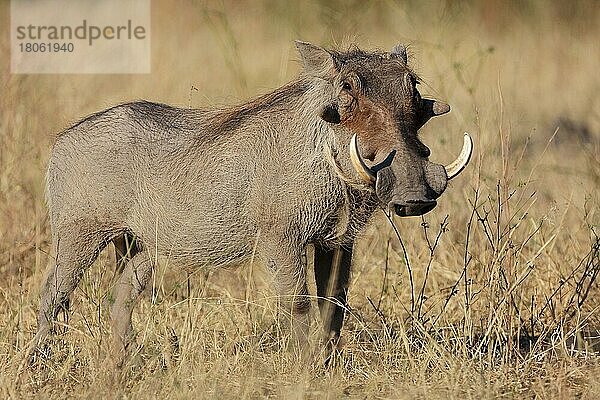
[[491, 295]]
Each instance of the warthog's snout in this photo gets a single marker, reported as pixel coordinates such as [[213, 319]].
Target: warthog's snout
[[409, 191], [413, 207]]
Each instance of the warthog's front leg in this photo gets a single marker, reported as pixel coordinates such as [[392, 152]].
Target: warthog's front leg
[[332, 273], [135, 277], [288, 267]]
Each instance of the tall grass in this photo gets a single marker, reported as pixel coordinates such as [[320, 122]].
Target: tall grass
[[492, 294]]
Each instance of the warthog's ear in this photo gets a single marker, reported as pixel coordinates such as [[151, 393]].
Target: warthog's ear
[[316, 60], [399, 51], [431, 108]]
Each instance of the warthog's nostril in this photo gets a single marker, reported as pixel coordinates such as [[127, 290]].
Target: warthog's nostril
[[414, 207]]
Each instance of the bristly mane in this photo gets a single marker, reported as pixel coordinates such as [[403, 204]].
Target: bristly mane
[[228, 118], [354, 53], [217, 121]]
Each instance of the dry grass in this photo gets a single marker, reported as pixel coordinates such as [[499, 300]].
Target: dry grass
[[490, 295]]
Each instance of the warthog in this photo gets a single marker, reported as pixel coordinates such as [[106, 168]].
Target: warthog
[[308, 163]]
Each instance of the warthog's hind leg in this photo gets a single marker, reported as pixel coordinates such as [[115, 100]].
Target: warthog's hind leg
[[75, 250], [131, 284]]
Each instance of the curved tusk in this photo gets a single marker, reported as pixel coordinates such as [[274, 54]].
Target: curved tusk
[[358, 163], [461, 162]]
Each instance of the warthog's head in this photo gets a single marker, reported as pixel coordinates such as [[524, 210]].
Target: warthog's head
[[375, 100]]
